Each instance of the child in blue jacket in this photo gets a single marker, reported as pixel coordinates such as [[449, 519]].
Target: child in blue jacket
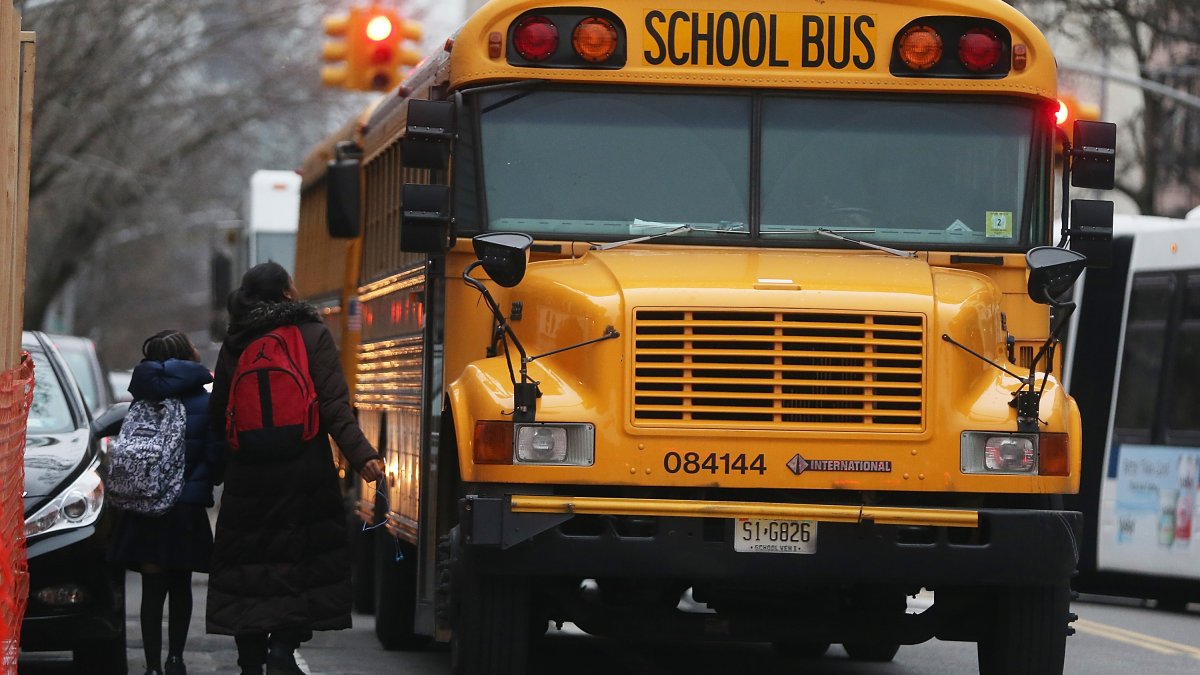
[[166, 549]]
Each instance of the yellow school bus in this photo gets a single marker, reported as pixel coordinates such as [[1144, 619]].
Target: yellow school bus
[[741, 307]]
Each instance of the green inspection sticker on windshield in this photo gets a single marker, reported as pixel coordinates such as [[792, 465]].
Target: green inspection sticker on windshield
[[999, 224]]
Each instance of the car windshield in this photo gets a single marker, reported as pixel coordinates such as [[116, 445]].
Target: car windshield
[[917, 173], [50, 413]]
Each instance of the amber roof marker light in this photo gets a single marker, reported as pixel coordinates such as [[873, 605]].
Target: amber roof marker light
[[594, 39], [920, 47]]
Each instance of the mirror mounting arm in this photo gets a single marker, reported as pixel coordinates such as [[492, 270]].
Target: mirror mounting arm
[[1064, 206], [981, 357], [526, 392], [609, 334]]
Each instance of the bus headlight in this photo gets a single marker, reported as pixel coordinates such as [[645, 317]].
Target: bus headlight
[[999, 453], [557, 444]]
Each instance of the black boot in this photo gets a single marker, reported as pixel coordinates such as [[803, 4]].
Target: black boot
[[174, 666], [252, 653], [281, 660]]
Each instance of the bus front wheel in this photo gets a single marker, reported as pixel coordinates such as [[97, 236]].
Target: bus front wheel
[[491, 618], [1028, 632]]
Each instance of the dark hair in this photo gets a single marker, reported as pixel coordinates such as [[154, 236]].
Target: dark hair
[[264, 283], [169, 344]]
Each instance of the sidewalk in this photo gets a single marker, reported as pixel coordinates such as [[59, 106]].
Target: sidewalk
[[349, 652]]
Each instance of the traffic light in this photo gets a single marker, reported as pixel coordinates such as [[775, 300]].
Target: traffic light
[[337, 50], [1071, 109], [372, 47]]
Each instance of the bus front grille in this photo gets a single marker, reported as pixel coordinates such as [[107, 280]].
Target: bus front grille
[[778, 369]]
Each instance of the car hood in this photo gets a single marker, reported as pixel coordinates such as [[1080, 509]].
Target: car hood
[[50, 461]]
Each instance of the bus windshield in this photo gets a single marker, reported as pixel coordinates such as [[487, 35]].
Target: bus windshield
[[927, 173]]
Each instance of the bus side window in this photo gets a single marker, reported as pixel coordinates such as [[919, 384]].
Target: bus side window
[[1150, 302], [1183, 401]]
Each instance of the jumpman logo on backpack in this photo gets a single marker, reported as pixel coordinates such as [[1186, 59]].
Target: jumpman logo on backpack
[[262, 355]]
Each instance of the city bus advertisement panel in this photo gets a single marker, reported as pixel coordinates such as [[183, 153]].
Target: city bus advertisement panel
[[1148, 515]]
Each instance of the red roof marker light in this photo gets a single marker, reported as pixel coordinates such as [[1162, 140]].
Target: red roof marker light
[[980, 49], [535, 38]]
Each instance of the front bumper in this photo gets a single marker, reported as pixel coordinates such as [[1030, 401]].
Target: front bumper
[[693, 540], [80, 563]]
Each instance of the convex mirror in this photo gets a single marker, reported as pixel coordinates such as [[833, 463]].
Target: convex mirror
[[504, 255], [1052, 272]]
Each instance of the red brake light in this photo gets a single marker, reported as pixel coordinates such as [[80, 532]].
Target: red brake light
[[1063, 112], [979, 49], [921, 47], [535, 38]]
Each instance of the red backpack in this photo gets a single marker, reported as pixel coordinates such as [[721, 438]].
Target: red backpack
[[272, 400]]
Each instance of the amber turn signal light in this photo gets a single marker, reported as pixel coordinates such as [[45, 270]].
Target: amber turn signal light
[[1053, 455], [493, 442]]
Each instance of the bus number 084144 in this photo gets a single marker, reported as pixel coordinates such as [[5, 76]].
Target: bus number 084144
[[713, 463]]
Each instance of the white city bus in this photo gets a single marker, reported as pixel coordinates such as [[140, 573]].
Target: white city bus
[[1133, 366]]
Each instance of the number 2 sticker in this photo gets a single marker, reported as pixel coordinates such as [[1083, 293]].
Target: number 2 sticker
[[999, 224]]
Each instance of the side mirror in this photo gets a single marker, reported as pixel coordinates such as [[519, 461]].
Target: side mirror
[[1091, 230], [1093, 158], [108, 423], [342, 192], [1052, 272], [425, 223], [428, 134], [504, 255]]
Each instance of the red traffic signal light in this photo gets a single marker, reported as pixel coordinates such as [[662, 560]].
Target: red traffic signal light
[[372, 47]]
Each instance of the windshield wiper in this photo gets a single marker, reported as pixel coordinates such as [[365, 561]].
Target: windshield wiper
[[675, 229], [838, 234], [614, 244]]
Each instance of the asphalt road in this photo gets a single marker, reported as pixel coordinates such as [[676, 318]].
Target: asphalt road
[[1114, 637]]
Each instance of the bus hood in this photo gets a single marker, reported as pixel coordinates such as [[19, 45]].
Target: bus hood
[[734, 278], [768, 311]]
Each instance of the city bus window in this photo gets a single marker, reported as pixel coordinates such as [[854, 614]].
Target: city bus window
[[1141, 364], [932, 173], [1183, 422], [614, 164]]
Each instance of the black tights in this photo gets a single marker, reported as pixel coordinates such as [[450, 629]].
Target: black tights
[[156, 587]]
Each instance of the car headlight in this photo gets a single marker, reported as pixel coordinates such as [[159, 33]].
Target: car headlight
[[76, 506]]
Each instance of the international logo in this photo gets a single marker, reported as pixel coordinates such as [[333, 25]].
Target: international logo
[[799, 465]]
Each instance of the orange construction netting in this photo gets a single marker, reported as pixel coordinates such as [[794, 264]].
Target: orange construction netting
[[16, 395]]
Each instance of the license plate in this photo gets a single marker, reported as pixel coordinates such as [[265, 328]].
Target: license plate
[[751, 535]]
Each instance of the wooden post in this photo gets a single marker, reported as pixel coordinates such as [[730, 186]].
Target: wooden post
[[16, 114]]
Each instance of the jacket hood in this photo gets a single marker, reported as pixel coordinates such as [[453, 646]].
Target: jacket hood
[[268, 316], [157, 380]]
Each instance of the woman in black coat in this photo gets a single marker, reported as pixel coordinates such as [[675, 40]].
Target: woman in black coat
[[166, 549], [280, 567]]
